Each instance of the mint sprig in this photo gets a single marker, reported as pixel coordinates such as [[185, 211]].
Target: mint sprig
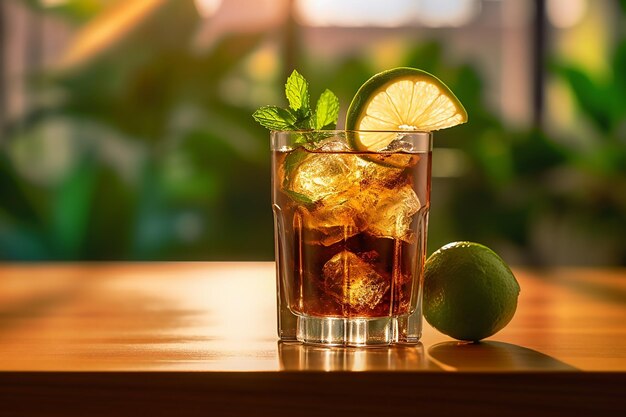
[[297, 92], [275, 118], [326, 111], [299, 116]]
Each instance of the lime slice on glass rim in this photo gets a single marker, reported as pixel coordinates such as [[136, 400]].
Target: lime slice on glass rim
[[400, 99]]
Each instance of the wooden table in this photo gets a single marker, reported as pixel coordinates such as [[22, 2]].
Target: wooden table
[[200, 339]]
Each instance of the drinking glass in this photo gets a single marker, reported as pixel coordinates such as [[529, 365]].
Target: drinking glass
[[350, 235]]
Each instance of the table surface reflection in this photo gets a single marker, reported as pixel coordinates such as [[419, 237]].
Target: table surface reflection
[[221, 317]]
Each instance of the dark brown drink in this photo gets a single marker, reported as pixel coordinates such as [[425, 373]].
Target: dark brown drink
[[350, 230]]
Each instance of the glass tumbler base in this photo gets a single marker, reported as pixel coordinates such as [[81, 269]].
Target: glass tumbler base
[[333, 331]]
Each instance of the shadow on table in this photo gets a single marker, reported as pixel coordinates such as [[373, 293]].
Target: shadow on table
[[295, 356], [449, 356], [492, 356]]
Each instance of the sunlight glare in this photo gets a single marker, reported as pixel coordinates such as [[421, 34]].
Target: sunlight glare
[[353, 13], [53, 3], [566, 13], [106, 29], [390, 13], [207, 8], [441, 13]]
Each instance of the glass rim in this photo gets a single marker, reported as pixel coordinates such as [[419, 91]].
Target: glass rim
[[329, 131], [285, 140]]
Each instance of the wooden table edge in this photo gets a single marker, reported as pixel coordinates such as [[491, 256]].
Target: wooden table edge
[[307, 393]]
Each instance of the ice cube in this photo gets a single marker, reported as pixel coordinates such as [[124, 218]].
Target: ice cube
[[399, 144], [353, 282], [333, 222], [324, 141], [390, 212], [395, 160], [323, 174], [372, 174], [398, 154], [333, 145]]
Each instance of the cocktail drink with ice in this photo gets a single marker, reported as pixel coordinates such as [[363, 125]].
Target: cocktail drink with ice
[[351, 207], [350, 230]]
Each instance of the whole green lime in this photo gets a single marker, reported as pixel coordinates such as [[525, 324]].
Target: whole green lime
[[469, 292]]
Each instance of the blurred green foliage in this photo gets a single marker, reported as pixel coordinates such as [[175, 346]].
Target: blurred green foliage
[[141, 154], [155, 164], [540, 199], [76, 10]]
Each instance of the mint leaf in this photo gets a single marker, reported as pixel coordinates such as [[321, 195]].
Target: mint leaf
[[275, 118], [299, 115], [298, 198], [290, 165], [297, 92], [291, 162], [326, 111]]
